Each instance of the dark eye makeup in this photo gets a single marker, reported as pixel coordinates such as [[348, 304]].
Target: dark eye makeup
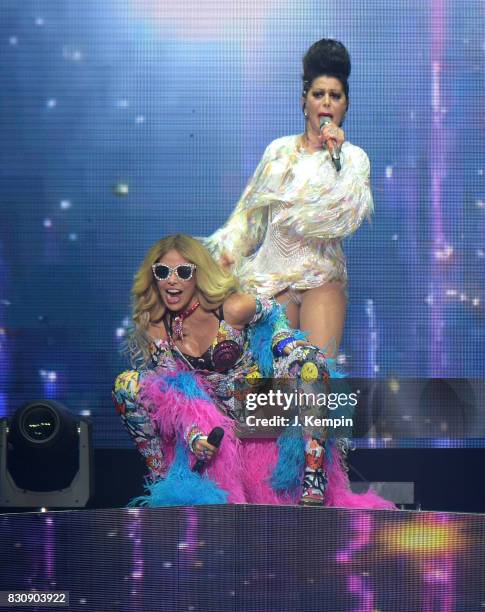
[[333, 94]]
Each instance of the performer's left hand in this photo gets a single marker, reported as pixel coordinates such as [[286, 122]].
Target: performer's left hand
[[292, 346]]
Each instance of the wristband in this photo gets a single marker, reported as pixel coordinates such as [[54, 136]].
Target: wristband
[[278, 349], [193, 435], [281, 335]]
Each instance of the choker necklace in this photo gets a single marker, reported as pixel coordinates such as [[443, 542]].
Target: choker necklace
[[177, 322]]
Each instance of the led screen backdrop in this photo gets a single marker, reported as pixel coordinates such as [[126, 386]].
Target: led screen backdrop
[[125, 120]]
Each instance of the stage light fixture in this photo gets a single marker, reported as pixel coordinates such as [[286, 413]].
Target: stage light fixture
[[45, 457]]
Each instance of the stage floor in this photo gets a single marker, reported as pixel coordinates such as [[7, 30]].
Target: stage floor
[[251, 558]]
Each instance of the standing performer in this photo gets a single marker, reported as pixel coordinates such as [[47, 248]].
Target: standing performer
[[308, 192]]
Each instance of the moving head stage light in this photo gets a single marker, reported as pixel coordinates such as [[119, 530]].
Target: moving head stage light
[[45, 458]]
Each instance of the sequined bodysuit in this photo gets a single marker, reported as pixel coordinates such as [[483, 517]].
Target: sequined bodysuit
[[278, 242], [281, 257], [287, 228]]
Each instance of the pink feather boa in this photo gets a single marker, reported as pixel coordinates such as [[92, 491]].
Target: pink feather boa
[[242, 467]]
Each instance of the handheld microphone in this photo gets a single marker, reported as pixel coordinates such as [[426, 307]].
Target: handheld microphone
[[214, 438], [332, 147]]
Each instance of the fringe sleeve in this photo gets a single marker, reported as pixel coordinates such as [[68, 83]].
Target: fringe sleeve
[[337, 207], [244, 230]]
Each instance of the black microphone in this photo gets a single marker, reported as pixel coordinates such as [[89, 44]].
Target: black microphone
[[214, 438], [331, 145]]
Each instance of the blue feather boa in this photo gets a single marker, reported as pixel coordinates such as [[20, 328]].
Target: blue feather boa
[[181, 487], [185, 383], [288, 472], [261, 335]]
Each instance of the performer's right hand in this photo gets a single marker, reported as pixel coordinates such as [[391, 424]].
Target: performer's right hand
[[226, 261], [203, 449], [332, 132]]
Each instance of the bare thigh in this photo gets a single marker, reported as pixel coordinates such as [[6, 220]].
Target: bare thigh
[[292, 308], [322, 315]]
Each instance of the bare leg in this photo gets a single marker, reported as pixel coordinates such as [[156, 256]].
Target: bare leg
[[292, 309], [322, 315]]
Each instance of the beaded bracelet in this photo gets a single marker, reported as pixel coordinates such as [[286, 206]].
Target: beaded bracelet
[[278, 337], [278, 350], [193, 434]]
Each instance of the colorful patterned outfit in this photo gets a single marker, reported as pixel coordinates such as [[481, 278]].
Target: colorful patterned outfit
[[287, 228], [165, 407]]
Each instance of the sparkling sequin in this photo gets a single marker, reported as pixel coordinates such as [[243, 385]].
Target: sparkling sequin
[[287, 228]]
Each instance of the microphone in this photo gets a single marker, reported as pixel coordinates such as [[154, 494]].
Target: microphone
[[332, 147], [214, 438]]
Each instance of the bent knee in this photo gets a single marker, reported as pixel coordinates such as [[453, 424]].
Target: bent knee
[[126, 386]]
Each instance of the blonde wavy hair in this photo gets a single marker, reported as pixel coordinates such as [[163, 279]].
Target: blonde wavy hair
[[214, 286]]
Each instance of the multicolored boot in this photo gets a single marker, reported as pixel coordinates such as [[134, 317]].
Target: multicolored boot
[[315, 479]]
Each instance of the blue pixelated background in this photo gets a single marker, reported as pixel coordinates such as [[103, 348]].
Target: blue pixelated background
[[125, 120]]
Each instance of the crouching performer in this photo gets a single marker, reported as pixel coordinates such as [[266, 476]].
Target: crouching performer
[[195, 337]]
